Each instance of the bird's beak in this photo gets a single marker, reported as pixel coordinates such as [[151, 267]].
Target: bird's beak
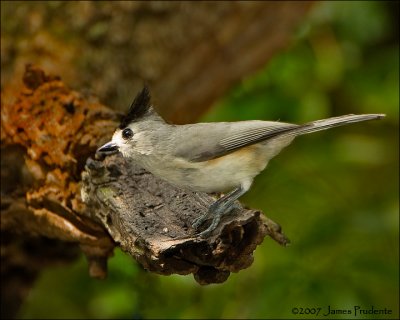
[[108, 148]]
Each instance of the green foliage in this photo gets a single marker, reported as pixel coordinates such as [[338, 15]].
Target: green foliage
[[335, 193]]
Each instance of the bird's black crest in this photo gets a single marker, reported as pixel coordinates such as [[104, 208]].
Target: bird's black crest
[[138, 108]]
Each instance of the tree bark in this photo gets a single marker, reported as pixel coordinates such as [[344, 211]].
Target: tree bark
[[151, 220]]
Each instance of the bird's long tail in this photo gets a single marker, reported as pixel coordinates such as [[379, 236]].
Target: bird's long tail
[[332, 122]]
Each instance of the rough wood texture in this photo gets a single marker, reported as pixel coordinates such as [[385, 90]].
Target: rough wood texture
[[47, 133], [46, 136], [150, 219]]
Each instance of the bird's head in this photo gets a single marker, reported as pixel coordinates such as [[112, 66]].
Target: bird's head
[[133, 126]]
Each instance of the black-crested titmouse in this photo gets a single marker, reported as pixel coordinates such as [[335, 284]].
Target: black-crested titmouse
[[208, 157]]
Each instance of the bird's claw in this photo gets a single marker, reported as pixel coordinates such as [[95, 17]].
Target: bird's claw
[[214, 211], [199, 221]]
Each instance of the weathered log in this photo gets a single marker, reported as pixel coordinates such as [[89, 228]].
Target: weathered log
[[151, 219]]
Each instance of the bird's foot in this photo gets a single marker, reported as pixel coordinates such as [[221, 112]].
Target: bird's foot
[[213, 210], [214, 224], [200, 220], [217, 212]]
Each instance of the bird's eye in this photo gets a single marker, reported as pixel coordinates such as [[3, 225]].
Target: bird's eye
[[127, 133]]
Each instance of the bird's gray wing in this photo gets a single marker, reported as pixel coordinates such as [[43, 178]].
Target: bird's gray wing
[[206, 141]]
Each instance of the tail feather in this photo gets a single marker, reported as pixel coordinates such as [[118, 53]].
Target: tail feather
[[332, 122]]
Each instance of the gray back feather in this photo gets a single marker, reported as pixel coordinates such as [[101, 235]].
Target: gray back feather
[[206, 141]]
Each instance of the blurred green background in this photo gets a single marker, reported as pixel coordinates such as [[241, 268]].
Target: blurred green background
[[335, 193]]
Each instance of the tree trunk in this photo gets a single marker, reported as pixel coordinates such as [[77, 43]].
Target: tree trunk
[[189, 53]]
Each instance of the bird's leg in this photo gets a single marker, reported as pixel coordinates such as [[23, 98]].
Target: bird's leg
[[220, 207]]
